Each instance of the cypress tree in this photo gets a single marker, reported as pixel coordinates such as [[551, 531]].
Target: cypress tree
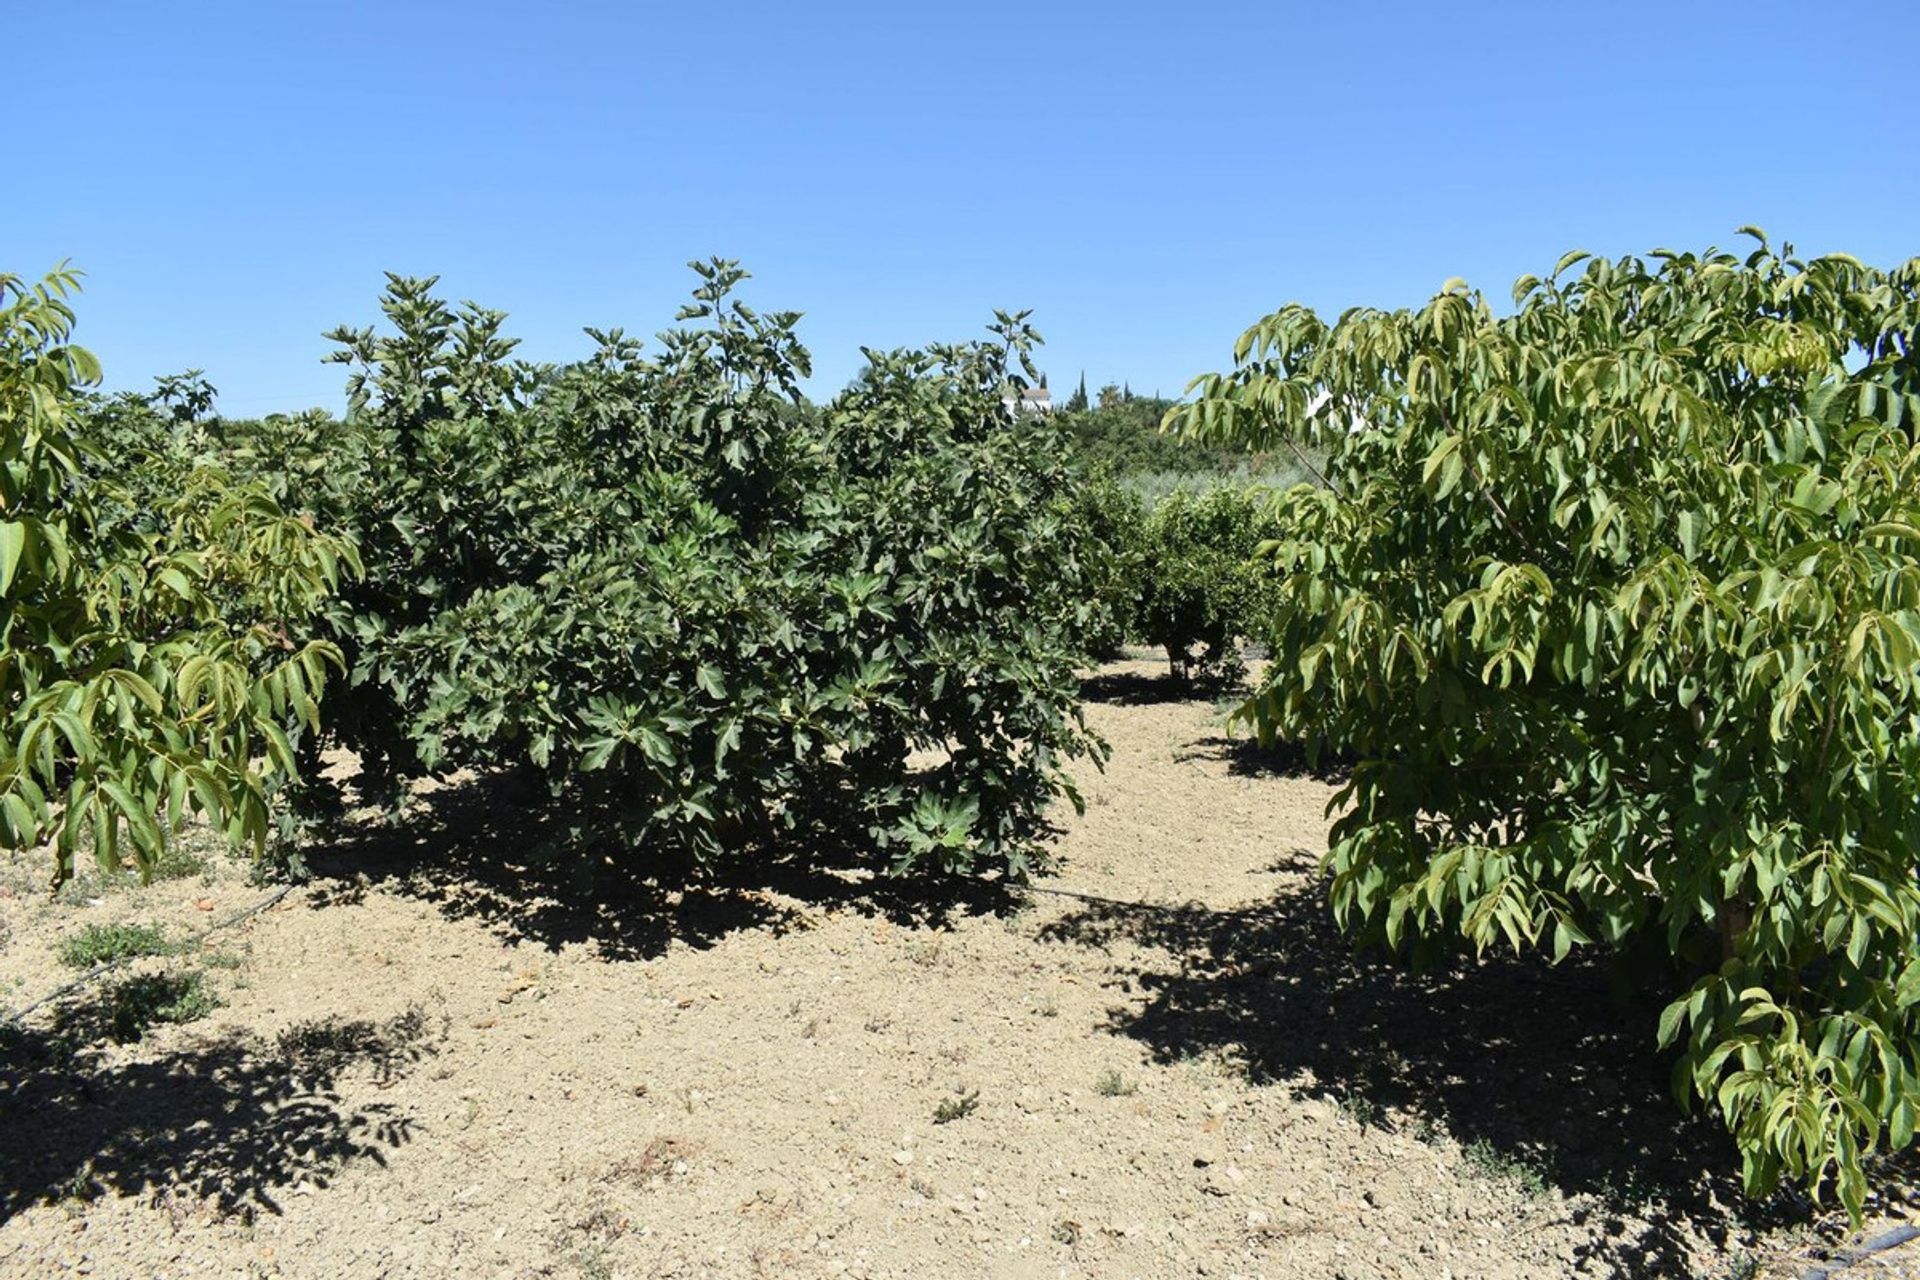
[[1078, 402]]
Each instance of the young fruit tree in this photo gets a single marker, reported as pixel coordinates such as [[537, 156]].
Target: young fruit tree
[[1616, 602], [713, 618], [1201, 589], [153, 659]]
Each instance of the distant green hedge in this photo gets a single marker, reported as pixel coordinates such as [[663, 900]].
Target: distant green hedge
[[1124, 439]]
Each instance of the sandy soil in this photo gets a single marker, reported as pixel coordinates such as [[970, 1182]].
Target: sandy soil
[[441, 1059]]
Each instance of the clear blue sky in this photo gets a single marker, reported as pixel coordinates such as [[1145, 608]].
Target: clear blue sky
[[1150, 178]]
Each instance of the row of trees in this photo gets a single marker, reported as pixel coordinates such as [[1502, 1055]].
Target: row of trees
[[1614, 601], [1121, 437], [713, 617], [1111, 396]]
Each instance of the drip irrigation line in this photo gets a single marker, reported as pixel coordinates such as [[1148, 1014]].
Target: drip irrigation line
[[1879, 1244], [1095, 898], [18, 1016]]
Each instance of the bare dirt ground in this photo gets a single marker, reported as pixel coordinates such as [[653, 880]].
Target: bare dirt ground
[[441, 1059]]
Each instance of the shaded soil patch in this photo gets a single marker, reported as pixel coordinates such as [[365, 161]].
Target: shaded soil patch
[[484, 848], [1131, 687], [1538, 1071], [1245, 757], [232, 1121]]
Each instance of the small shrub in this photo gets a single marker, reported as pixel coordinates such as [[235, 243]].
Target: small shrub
[[81, 1187], [103, 943], [1360, 1109], [1115, 1085], [1488, 1161], [133, 1006], [177, 861], [663, 1158], [593, 1264], [281, 860], [957, 1108]]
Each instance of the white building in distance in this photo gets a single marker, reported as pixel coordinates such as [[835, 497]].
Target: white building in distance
[[1033, 402]]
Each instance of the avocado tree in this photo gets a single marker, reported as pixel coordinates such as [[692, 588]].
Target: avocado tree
[[1615, 600]]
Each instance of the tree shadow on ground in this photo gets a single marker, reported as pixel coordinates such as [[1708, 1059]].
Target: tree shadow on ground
[[1246, 758], [488, 849], [1540, 1072], [1140, 689], [224, 1123]]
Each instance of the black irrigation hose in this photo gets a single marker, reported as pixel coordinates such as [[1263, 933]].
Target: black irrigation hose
[[1879, 1244], [1017, 887], [19, 1016]]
